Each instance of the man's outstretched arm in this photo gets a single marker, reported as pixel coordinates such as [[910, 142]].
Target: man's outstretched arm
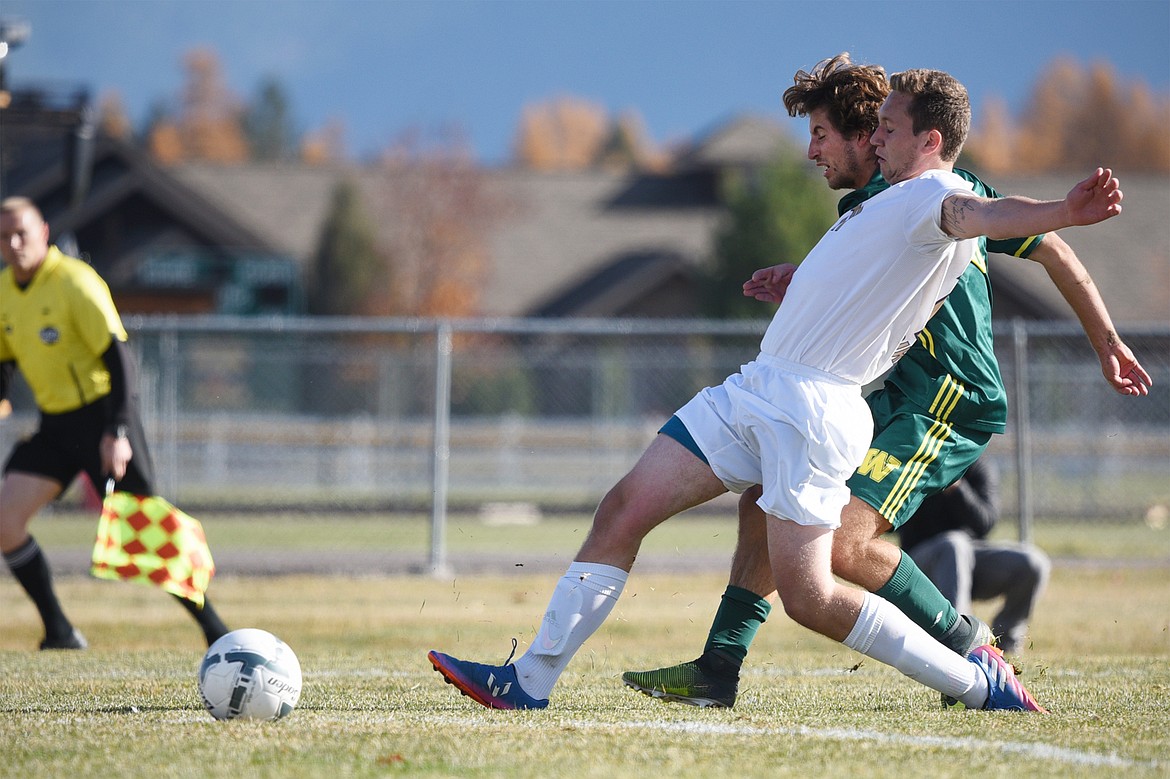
[[1093, 200]]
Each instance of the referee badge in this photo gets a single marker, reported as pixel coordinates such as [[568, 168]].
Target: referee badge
[[50, 335]]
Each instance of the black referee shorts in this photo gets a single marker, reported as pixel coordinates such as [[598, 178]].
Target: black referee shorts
[[66, 444]]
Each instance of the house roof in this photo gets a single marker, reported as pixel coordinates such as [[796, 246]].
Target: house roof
[[1127, 256], [743, 140], [558, 228], [620, 287], [131, 218], [565, 228]]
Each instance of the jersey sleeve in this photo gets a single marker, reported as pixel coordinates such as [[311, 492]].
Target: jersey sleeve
[[924, 211], [94, 312]]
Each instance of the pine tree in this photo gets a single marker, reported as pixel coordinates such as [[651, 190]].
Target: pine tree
[[268, 124], [347, 266], [776, 215]]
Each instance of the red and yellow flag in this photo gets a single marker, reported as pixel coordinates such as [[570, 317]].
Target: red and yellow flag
[[143, 538]]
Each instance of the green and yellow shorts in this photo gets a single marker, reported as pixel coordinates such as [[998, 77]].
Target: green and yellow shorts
[[913, 454]]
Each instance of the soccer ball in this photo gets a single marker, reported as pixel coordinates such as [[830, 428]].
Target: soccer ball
[[250, 674]]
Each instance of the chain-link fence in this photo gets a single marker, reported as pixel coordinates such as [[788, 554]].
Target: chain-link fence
[[348, 414]]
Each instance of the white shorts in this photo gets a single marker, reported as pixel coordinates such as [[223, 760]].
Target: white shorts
[[797, 431]]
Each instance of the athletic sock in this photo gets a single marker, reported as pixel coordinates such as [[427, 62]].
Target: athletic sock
[[887, 635], [30, 567], [740, 614], [916, 596], [208, 620], [958, 638], [584, 597], [713, 664]]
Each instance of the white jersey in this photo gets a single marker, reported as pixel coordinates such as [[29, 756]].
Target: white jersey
[[859, 299]]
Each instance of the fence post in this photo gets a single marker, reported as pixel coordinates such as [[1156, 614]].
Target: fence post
[[169, 410], [441, 451], [1023, 430]]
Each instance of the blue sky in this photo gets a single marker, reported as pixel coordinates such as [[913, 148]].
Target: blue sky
[[382, 67]]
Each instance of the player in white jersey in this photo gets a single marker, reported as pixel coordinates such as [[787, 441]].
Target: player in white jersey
[[789, 420], [846, 319], [849, 313]]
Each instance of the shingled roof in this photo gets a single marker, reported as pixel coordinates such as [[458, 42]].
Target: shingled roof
[[560, 227], [566, 228], [1128, 256]]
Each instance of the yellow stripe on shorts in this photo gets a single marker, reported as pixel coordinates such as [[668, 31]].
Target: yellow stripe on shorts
[[1026, 245], [947, 398], [944, 403], [912, 472]]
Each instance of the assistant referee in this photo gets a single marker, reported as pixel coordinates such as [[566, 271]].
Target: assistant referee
[[59, 326]]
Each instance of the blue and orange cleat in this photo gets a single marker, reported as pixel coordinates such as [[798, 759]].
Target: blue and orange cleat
[[494, 686]]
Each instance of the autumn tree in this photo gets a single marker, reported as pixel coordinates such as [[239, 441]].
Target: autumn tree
[[627, 147], [323, 146], [210, 120], [440, 213], [775, 215], [562, 134], [569, 133], [208, 125], [112, 118], [1076, 117]]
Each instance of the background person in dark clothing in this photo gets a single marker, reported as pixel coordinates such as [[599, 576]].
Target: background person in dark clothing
[[947, 538]]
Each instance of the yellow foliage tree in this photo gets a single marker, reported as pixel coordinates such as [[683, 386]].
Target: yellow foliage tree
[[1077, 117], [208, 126], [443, 212], [566, 133]]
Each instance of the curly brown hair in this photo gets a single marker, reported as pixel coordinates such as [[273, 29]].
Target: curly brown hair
[[850, 93], [937, 102]]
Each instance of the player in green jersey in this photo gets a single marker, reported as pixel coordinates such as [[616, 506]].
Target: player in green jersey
[[933, 418]]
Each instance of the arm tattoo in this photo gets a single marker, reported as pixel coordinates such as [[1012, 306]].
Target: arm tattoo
[[955, 211]]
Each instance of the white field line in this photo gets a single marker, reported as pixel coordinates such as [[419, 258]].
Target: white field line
[[1030, 750]]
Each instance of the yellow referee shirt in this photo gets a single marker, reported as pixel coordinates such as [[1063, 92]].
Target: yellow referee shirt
[[57, 329]]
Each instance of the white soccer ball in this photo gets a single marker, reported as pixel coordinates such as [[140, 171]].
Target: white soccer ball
[[250, 674]]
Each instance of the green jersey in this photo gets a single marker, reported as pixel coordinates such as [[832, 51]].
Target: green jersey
[[951, 372]]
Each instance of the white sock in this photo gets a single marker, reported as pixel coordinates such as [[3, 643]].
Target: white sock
[[889, 636], [584, 597]]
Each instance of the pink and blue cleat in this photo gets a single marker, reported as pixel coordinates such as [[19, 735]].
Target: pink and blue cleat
[[1006, 692]]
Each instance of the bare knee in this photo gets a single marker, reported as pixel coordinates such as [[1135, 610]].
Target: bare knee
[[13, 529], [619, 525], [808, 603], [859, 553]]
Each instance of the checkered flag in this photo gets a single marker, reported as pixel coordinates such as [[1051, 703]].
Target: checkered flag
[[143, 538]]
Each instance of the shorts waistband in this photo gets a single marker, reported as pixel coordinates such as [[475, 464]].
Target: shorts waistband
[[772, 361]]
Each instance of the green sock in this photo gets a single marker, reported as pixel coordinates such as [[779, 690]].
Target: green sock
[[918, 598], [740, 614]]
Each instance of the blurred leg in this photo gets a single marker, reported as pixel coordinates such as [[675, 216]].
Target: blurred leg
[[22, 495], [1018, 572]]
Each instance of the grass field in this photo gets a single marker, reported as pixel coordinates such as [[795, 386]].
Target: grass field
[[371, 707]]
